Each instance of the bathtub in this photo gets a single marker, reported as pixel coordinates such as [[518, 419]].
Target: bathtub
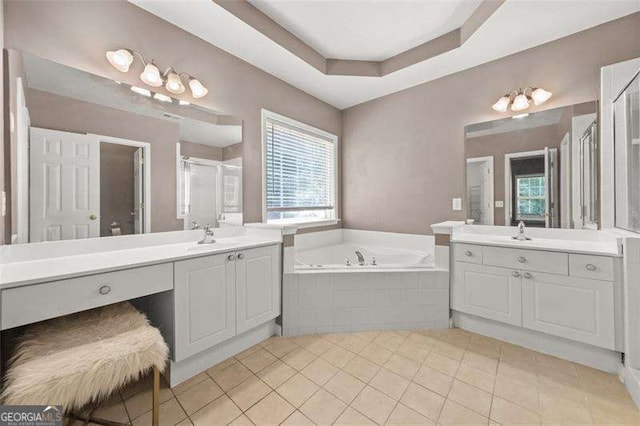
[[399, 286], [343, 256]]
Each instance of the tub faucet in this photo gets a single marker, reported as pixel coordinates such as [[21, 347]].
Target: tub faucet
[[207, 238], [360, 258], [521, 236]]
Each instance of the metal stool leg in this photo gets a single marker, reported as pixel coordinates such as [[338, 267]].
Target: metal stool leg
[[156, 397]]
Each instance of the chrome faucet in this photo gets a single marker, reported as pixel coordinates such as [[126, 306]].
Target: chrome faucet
[[207, 238], [360, 258], [521, 236], [194, 225]]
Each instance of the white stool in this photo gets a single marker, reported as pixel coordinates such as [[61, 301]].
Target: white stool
[[82, 358]]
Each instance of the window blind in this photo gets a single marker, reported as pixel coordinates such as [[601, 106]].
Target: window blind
[[300, 169]]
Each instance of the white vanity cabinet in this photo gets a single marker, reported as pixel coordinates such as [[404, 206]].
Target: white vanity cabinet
[[257, 287], [205, 303], [574, 296], [488, 292], [220, 296]]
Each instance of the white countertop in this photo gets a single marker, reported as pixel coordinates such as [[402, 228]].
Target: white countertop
[[13, 274], [572, 241]]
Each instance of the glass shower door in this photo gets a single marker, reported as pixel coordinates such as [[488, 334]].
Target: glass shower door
[[626, 114]]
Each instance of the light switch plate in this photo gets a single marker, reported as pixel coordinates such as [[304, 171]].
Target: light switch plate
[[457, 204], [500, 204]]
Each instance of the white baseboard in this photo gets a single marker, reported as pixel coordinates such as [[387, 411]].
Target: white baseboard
[[631, 379], [592, 356], [178, 372]]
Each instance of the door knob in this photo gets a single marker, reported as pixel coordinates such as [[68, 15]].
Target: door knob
[[516, 274], [105, 289], [591, 267], [231, 257], [528, 275], [468, 253], [92, 217], [521, 259], [240, 255]]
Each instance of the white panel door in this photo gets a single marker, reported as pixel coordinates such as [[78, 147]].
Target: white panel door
[[570, 307], [258, 286], [65, 186], [204, 294], [488, 292], [138, 191]]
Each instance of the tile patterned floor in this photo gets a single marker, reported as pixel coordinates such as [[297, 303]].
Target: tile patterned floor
[[393, 377]]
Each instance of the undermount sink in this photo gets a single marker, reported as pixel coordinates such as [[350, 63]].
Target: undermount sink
[[208, 246]]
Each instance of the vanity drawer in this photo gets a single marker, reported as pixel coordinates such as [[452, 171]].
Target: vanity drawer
[[32, 303], [594, 267], [468, 253], [530, 260]]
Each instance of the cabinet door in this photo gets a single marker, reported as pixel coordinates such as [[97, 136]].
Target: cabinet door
[[574, 308], [258, 286], [204, 292], [488, 292]]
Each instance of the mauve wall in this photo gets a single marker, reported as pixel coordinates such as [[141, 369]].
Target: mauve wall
[[403, 154], [78, 34]]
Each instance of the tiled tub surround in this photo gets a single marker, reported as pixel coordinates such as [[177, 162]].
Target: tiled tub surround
[[422, 377], [339, 298]]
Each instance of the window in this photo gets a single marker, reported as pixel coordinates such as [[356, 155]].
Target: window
[[300, 171], [531, 197]]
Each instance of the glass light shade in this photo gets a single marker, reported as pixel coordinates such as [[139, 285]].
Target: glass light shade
[[197, 89], [502, 104], [540, 96], [151, 76], [121, 59], [162, 97], [520, 102], [141, 91], [174, 84], [520, 116]]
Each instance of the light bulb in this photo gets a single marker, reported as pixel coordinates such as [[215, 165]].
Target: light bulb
[[540, 96], [174, 84], [151, 75], [121, 59], [162, 97], [197, 89], [140, 91], [520, 102], [502, 104]]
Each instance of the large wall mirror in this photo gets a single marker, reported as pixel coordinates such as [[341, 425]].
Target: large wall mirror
[[92, 157], [540, 168]]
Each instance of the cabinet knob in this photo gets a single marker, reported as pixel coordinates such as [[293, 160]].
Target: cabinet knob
[[591, 267], [240, 255], [468, 253], [521, 259], [231, 257], [105, 289], [528, 275], [516, 274]]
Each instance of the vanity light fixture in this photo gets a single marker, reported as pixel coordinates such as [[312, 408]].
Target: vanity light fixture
[[121, 59], [520, 116], [141, 91], [521, 99], [162, 98]]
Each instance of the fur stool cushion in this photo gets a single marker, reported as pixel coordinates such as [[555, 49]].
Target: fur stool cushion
[[82, 358]]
